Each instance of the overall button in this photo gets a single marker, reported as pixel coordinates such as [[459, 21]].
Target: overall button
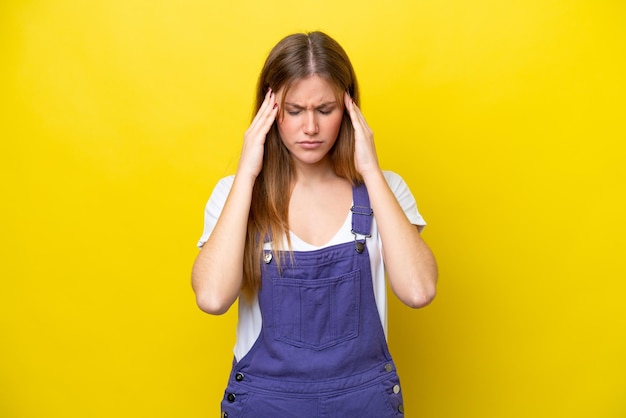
[[396, 389], [388, 367], [224, 414], [401, 409], [231, 397], [239, 377]]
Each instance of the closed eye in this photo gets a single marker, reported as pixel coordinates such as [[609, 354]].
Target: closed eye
[[293, 109], [321, 111]]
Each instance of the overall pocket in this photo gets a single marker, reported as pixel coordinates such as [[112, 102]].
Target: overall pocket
[[317, 313]]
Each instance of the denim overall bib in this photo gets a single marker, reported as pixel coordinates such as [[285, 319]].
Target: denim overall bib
[[322, 351]]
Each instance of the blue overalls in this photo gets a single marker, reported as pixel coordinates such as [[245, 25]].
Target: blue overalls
[[322, 351]]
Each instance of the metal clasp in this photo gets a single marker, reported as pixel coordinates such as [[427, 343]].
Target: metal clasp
[[359, 245]]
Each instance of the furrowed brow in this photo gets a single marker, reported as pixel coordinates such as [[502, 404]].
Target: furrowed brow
[[299, 107]]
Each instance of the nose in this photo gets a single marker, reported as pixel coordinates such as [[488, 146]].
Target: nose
[[310, 123]]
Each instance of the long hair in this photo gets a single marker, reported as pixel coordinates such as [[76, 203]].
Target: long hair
[[295, 57]]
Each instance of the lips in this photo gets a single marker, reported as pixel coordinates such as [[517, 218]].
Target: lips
[[310, 144]]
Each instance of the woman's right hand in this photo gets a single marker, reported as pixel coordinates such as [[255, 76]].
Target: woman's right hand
[[251, 160], [218, 270]]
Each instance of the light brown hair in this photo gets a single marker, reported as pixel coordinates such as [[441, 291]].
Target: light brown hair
[[295, 57]]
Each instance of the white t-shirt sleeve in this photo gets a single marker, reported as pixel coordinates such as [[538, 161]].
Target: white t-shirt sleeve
[[214, 207], [405, 198]]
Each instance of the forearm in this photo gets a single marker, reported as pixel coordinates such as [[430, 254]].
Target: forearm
[[217, 273], [409, 262]]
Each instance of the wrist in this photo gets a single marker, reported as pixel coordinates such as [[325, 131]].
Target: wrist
[[245, 178], [373, 175]]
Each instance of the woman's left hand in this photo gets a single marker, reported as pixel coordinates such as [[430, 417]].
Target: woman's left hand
[[409, 263], [365, 157]]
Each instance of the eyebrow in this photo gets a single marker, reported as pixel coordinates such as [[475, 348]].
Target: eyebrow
[[297, 106]]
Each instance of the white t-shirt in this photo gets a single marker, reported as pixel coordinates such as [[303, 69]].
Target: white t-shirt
[[249, 321]]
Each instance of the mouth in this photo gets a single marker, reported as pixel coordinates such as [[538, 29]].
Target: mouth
[[310, 144]]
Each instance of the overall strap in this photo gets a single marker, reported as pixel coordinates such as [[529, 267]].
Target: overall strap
[[361, 216]]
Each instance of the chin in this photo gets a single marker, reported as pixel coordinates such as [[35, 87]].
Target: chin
[[309, 159]]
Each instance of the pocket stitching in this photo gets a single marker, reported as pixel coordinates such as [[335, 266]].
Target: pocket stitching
[[352, 328]]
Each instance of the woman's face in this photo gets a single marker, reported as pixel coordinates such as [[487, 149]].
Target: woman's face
[[310, 121]]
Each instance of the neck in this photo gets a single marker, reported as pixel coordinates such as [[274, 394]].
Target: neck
[[314, 173]]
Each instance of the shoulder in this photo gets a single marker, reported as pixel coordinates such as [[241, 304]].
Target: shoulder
[[219, 195], [214, 206], [392, 177], [221, 190], [225, 183], [396, 183], [404, 197]]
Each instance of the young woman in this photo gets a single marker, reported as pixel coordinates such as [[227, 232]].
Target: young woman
[[303, 235]]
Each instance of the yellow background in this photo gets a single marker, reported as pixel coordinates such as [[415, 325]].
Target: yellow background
[[506, 118]]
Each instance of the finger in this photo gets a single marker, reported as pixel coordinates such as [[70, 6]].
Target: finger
[[269, 95], [266, 122], [359, 115], [265, 118], [356, 116], [266, 107]]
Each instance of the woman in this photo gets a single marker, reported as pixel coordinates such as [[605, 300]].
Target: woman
[[303, 234]]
